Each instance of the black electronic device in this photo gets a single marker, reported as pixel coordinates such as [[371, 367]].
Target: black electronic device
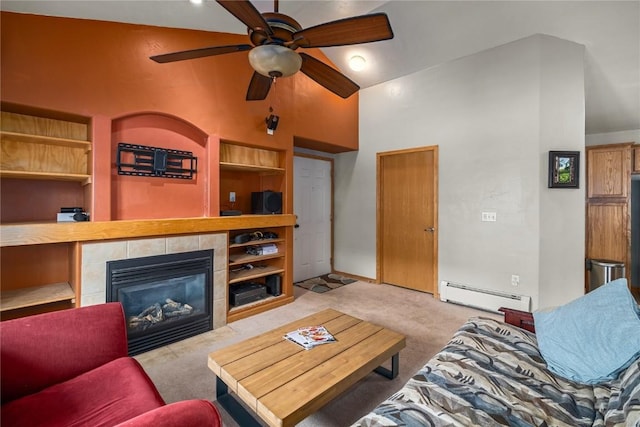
[[246, 293], [72, 214], [230, 212], [266, 202], [272, 123], [71, 209], [242, 238], [269, 235], [274, 286]]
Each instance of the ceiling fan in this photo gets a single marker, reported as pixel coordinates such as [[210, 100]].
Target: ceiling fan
[[275, 37]]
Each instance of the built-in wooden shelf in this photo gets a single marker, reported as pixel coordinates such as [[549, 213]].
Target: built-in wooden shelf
[[255, 243], [37, 295], [46, 176], [45, 233], [43, 139], [240, 259], [253, 303], [245, 310], [254, 273], [240, 167]]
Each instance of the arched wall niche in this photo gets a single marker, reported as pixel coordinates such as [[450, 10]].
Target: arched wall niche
[[148, 197]]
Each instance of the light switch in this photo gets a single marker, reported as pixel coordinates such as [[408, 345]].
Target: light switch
[[489, 216]]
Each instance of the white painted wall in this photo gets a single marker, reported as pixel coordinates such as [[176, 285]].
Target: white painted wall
[[613, 137], [562, 211], [494, 116]]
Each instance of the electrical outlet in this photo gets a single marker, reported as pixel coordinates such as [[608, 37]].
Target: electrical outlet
[[515, 280], [232, 196], [489, 216]]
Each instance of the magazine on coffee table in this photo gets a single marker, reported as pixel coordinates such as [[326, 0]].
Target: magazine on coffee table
[[310, 336]]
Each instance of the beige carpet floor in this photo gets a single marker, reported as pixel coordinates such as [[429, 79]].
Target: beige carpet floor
[[180, 370]]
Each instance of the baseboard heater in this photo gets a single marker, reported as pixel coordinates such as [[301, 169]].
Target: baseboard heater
[[483, 299]]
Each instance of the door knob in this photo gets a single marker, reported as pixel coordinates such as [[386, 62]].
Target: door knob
[[430, 229]]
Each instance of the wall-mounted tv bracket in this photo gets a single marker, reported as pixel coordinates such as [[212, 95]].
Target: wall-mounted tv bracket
[[141, 160]]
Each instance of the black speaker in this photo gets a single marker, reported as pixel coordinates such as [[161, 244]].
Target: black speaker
[[273, 284], [266, 202]]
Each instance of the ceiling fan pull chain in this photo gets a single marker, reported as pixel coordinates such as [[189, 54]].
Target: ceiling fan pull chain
[[273, 93]]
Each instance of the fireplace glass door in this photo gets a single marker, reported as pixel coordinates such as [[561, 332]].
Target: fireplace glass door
[[165, 298]]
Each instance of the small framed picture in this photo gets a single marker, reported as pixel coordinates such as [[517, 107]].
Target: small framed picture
[[564, 169]]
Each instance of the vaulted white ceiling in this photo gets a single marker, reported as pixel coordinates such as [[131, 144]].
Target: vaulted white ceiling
[[427, 33]]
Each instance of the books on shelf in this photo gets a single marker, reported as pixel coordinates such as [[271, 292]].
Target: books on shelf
[[310, 336]]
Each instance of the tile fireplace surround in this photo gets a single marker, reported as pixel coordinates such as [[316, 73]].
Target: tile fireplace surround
[[96, 254]]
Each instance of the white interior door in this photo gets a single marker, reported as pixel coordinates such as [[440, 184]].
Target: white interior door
[[312, 205]]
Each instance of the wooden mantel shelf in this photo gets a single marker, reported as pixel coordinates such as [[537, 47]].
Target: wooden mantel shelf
[[45, 233]]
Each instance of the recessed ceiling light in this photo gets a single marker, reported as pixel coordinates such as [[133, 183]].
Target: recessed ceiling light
[[357, 63], [195, 1]]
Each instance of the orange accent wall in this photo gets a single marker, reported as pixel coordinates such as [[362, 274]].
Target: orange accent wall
[[102, 70]]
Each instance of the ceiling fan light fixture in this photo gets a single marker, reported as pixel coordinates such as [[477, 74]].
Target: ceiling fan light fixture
[[357, 63], [273, 60]]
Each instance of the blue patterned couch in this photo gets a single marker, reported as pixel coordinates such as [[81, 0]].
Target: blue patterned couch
[[492, 373]]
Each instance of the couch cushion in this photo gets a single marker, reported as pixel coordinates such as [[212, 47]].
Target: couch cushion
[[593, 338], [490, 373], [624, 402], [105, 396]]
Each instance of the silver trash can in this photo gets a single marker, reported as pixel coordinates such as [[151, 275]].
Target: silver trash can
[[604, 271]]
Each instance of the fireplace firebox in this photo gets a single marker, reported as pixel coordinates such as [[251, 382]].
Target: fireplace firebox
[[166, 298]]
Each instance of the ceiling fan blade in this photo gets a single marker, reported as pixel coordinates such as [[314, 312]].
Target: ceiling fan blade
[[328, 77], [246, 13], [358, 29], [258, 87], [199, 53]]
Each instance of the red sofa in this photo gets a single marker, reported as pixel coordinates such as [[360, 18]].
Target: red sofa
[[70, 368]]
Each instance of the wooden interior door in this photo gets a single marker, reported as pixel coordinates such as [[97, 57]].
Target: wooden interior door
[[408, 218]]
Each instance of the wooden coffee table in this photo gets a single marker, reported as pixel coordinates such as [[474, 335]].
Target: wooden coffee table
[[282, 383]]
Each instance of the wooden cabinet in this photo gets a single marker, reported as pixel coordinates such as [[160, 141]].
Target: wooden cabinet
[[45, 164], [608, 169], [608, 222], [636, 159], [606, 230]]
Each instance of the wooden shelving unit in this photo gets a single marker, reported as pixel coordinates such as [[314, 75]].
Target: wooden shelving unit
[[257, 266], [34, 296], [43, 139], [41, 258], [47, 155], [253, 274], [249, 168], [46, 176], [245, 169]]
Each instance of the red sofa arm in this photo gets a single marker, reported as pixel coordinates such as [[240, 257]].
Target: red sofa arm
[[188, 413], [45, 349]]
